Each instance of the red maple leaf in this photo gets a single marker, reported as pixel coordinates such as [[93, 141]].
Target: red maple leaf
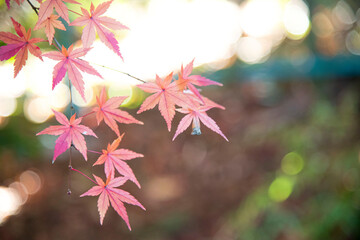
[[108, 110], [166, 94], [110, 194], [93, 20], [115, 158], [47, 7], [70, 132], [197, 114], [70, 63], [19, 46], [187, 81], [50, 23]]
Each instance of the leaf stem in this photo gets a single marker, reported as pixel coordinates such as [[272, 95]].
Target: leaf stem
[[116, 70], [73, 169], [88, 114], [74, 12], [94, 152]]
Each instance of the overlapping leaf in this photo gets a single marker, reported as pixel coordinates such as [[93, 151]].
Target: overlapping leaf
[[50, 23], [110, 194], [93, 20], [115, 158], [188, 81], [108, 111], [166, 94], [70, 63], [70, 132], [197, 114], [19, 46], [47, 7]]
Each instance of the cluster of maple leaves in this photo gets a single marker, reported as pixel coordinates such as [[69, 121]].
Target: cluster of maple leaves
[[166, 92]]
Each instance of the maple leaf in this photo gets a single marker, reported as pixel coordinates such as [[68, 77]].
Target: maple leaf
[[93, 20], [115, 158], [70, 132], [107, 111], [70, 63], [115, 196], [50, 23], [17, 1], [166, 94], [46, 9], [19, 46], [206, 102], [187, 81], [195, 115]]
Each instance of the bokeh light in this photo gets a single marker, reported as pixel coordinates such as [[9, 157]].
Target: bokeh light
[[10, 202], [253, 50], [31, 181], [280, 189], [261, 18], [292, 163], [296, 19], [79, 101], [7, 106], [37, 109]]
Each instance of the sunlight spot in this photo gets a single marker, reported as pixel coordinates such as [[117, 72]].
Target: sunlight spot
[[7, 106], [252, 50], [31, 181], [352, 42], [60, 97], [37, 109], [10, 202], [21, 190], [344, 13], [260, 18], [79, 101], [296, 20]]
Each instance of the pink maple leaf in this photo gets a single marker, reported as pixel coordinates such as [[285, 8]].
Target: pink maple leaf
[[19, 45], [70, 132], [166, 94], [108, 111], [187, 81], [70, 63], [115, 158], [17, 1], [197, 115], [109, 194], [93, 20], [50, 23], [47, 7]]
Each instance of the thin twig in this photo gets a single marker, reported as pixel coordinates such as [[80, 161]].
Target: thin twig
[[37, 13], [118, 71], [69, 175], [94, 152], [88, 114], [74, 12], [72, 109], [33, 7], [73, 169]]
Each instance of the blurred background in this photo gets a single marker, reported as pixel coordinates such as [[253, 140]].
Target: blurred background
[[290, 70]]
